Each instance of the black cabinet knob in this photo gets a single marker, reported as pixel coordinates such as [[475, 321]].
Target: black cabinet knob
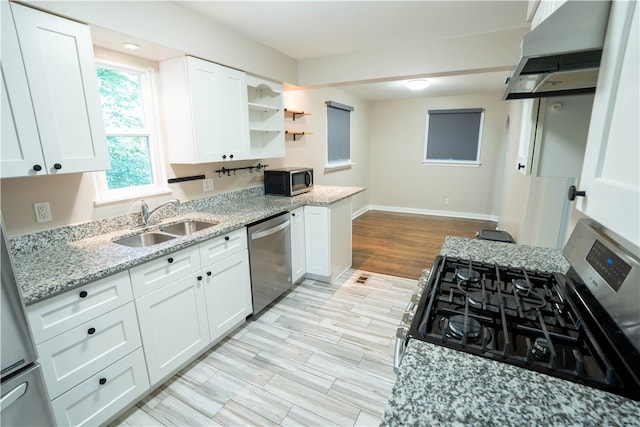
[[199, 278], [83, 294], [57, 166], [169, 260], [573, 193], [226, 238], [293, 214], [102, 381], [520, 166], [224, 156], [37, 168], [209, 273], [231, 156], [91, 331]]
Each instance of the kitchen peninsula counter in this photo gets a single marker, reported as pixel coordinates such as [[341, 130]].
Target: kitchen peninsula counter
[[439, 386], [54, 261]]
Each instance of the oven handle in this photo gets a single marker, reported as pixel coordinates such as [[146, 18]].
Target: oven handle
[[398, 353]]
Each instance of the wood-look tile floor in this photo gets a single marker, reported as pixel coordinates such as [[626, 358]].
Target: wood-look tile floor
[[321, 356]]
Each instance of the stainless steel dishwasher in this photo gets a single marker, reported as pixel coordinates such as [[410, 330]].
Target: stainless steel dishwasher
[[270, 259]]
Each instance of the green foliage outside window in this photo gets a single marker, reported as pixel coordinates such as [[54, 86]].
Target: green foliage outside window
[[123, 111]]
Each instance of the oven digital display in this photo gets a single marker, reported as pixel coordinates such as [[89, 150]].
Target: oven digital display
[[608, 265]]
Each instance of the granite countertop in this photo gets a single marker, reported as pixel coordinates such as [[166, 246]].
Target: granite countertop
[[57, 267], [440, 386]]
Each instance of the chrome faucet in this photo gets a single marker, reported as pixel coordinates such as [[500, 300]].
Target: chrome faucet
[[146, 213]]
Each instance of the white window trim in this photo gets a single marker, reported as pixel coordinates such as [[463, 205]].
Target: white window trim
[[468, 163], [104, 196]]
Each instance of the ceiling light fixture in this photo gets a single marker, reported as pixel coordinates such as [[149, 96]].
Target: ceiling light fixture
[[417, 84], [131, 46]]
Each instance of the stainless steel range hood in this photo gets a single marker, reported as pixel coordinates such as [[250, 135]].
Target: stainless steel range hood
[[562, 54]]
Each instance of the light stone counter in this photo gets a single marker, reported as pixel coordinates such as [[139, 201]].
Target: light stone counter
[[58, 260], [439, 386]]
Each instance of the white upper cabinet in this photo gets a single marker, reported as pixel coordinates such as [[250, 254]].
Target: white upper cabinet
[[610, 174], [52, 95], [266, 118], [206, 113], [554, 135]]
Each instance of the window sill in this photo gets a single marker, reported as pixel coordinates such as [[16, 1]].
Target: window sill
[[338, 167], [126, 198], [452, 163]]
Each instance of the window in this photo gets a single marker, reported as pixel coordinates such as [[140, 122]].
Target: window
[[338, 134], [453, 136], [128, 111]]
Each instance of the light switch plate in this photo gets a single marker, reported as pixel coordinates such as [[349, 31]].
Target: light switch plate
[[207, 185], [42, 211]]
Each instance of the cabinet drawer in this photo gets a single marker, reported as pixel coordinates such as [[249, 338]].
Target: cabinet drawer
[[221, 247], [70, 309], [155, 274], [93, 403], [71, 357]]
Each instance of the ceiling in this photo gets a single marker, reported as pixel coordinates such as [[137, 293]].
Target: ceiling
[[323, 29], [311, 29]]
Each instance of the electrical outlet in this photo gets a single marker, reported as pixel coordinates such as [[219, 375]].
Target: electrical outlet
[[42, 211], [207, 184], [446, 201]]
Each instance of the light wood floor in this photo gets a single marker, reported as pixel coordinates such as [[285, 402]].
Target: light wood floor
[[321, 356], [402, 245]]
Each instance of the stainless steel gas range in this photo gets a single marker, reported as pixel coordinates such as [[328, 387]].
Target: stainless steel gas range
[[582, 326]]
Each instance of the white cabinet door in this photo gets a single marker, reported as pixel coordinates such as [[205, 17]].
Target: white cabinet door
[[207, 115], [610, 174], [317, 227], [61, 73], [173, 325], [527, 135], [21, 151], [162, 271], [228, 293], [298, 265]]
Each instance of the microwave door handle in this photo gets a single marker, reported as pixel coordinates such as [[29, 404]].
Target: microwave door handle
[[307, 178]]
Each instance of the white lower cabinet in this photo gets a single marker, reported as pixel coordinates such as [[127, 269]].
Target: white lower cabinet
[[228, 293], [173, 325], [69, 358], [97, 399], [298, 264]]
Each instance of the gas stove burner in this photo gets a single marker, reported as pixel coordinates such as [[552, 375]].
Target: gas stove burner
[[457, 328], [541, 350], [522, 285], [467, 275]]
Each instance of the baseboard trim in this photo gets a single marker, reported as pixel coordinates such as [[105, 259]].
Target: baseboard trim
[[453, 214]]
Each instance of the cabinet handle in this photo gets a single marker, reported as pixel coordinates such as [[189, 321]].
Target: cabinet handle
[[102, 381], [169, 260], [83, 294], [199, 278], [209, 273], [573, 193], [293, 214], [57, 166], [226, 238], [91, 331], [224, 156], [520, 166], [231, 156], [37, 168]]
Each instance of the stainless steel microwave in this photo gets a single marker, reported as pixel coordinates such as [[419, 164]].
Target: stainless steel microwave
[[288, 181]]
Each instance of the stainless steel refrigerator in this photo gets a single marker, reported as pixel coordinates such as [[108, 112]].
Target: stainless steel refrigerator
[[24, 400]]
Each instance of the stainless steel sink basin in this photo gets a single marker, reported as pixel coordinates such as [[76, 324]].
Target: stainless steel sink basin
[[144, 239], [185, 228]]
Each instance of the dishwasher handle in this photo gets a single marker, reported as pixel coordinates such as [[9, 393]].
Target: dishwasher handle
[[270, 231]]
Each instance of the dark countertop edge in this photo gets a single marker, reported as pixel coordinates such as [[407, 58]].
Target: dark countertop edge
[[288, 204]]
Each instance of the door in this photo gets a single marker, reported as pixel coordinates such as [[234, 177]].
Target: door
[[228, 293], [173, 325], [24, 400], [610, 175], [234, 115], [60, 68], [21, 151]]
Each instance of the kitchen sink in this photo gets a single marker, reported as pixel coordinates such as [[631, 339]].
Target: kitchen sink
[[185, 228], [143, 240]]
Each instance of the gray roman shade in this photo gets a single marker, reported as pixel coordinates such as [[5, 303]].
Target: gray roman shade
[[338, 133], [454, 135]]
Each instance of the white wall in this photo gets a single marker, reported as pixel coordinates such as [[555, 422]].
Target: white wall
[[400, 181]]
